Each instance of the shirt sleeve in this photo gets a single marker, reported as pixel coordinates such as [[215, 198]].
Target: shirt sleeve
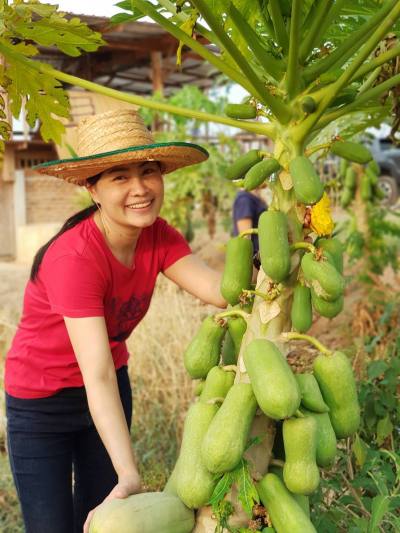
[[173, 246], [242, 208], [74, 287]]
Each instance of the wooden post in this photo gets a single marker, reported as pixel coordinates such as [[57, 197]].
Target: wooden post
[[158, 82], [7, 109]]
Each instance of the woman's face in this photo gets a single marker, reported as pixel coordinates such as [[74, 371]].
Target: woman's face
[[131, 194]]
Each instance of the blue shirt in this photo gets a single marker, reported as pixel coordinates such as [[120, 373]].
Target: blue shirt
[[247, 205]]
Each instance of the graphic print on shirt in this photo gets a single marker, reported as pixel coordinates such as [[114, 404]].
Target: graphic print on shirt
[[126, 315]]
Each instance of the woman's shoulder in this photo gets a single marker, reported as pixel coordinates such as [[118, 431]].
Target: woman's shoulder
[[73, 242]]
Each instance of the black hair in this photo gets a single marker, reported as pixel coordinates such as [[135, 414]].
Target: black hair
[[68, 224]]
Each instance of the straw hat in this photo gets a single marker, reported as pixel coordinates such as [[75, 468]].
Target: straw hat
[[119, 137]]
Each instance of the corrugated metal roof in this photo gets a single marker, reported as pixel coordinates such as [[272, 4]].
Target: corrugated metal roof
[[125, 61]]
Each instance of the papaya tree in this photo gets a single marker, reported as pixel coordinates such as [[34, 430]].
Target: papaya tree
[[307, 66]]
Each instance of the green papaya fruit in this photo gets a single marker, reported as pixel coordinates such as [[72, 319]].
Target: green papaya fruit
[[301, 312], [351, 151], [228, 352], [272, 379], [300, 471], [336, 381], [242, 164], [286, 514], [335, 248], [194, 483], [311, 397], [378, 192], [325, 308], [373, 165], [343, 166], [238, 269], [326, 439], [308, 104], [373, 178], [199, 387], [307, 185], [243, 111], [274, 244], [350, 178], [365, 188], [237, 327], [204, 350], [217, 384], [346, 197], [301, 499], [259, 172], [226, 438], [323, 277]]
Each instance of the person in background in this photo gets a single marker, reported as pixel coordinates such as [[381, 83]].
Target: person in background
[[247, 209], [68, 393]]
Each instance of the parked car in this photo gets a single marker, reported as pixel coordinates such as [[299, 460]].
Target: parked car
[[387, 155]]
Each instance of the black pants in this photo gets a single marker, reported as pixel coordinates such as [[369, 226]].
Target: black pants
[[60, 466]]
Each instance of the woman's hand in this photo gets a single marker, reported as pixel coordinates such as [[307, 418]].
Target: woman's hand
[[125, 487]]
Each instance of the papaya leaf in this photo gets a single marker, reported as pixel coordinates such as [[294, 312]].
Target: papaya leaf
[[44, 97], [222, 488], [379, 507], [383, 429], [360, 450], [248, 494]]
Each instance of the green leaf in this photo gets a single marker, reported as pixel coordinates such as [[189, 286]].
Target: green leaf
[[360, 450], [379, 507], [45, 98], [222, 488], [376, 369], [383, 429], [248, 494]]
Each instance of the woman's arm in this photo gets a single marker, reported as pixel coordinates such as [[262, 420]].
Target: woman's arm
[[194, 276], [91, 346]]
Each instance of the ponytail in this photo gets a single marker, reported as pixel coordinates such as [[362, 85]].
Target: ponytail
[[68, 224]]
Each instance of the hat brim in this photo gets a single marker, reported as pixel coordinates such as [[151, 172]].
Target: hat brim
[[171, 155]]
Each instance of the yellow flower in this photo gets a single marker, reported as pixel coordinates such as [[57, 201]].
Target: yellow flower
[[321, 219]]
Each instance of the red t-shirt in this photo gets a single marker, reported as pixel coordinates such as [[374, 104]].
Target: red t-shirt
[[80, 277]]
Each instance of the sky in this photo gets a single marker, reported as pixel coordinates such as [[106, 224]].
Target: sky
[[98, 7]]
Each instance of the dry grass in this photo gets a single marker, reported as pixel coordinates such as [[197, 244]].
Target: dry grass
[[162, 389]]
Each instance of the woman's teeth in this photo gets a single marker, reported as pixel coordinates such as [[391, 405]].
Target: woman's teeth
[[139, 206]]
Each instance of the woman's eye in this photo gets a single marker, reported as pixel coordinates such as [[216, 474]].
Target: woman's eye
[[119, 178]]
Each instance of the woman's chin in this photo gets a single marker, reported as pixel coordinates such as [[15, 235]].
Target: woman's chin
[[142, 218]]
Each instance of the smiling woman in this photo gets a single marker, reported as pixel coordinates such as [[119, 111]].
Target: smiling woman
[[68, 396]]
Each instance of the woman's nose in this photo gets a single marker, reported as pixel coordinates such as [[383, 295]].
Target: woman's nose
[[137, 186]]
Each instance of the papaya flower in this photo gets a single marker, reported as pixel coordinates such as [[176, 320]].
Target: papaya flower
[[321, 218]]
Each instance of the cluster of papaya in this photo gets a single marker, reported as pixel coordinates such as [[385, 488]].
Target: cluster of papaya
[[363, 177], [316, 409]]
